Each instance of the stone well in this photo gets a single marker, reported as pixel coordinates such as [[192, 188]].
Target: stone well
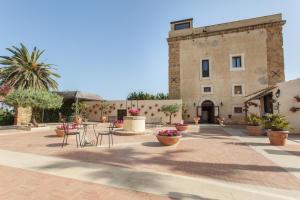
[[134, 123]]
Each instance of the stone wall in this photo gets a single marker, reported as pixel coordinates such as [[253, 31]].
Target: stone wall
[[174, 70], [151, 109], [275, 60]]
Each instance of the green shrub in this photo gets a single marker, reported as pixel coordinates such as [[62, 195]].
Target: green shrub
[[253, 120], [6, 117], [279, 123]]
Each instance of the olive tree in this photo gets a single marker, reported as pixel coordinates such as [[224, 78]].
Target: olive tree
[[36, 99], [170, 110]]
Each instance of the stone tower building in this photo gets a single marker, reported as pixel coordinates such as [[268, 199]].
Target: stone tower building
[[213, 68]]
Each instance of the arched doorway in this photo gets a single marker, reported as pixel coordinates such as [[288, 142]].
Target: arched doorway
[[207, 112]]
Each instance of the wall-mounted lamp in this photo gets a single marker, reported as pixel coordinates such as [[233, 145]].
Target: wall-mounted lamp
[[221, 104], [277, 94]]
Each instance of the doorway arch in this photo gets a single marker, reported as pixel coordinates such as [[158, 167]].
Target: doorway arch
[[207, 111]]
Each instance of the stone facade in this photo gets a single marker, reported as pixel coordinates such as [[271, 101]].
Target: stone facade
[[275, 54], [258, 44], [174, 70]]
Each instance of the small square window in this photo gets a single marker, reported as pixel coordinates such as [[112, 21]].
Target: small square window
[[236, 62], [207, 89], [238, 110], [238, 90]]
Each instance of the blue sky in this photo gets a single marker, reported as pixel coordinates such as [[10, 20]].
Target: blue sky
[[114, 47]]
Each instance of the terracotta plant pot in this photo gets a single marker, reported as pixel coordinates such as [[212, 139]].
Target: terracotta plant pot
[[181, 127], [103, 119], [118, 125], [78, 120], [60, 132], [196, 120], [168, 141], [254, 130], [278, 138]]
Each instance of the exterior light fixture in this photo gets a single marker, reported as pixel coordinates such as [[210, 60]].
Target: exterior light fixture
[[221, 104]]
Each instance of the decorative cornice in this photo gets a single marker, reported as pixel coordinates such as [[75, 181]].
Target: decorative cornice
[[226, 31]]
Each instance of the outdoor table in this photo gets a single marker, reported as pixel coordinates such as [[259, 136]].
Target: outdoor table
[[87, 138]]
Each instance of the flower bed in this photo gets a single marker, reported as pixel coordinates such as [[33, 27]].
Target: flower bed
[[168, 137]]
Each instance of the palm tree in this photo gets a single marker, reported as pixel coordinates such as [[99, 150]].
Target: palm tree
[[23, 70]]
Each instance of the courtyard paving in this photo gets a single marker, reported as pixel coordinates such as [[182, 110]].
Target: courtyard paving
[[210, 163]]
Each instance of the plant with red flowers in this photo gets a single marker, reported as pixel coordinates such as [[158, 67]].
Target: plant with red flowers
[[118, 123], [294, 109], [134, 111], [168, 137], [4, 90], [169, 133]]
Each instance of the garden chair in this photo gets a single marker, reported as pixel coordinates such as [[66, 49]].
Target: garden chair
[[109, 134], [70, 131]]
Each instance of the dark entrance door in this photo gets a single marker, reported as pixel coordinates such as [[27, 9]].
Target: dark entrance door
[[268, 103], [207, 110], [121, 113]]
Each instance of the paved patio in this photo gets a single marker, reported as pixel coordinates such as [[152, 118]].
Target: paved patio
[[213, 163]]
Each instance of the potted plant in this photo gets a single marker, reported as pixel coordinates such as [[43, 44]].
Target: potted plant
[[181, 127], [279, 130], [60, 132], [196, 120], [254, 124], [119, 124], [168, 137], [134, 111], [103, 107], [170, 110]]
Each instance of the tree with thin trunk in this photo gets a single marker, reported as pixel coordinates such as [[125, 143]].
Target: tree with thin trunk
[[24, 70], [170, 110]]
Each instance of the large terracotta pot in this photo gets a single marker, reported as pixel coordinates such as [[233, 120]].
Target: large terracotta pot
[[254, 130], [168, 141], [60, 132], [181, 127], [278, 138]]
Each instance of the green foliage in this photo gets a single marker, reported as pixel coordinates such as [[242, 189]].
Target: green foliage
[[6, 117], [170, 110], [253, 120], [39, 99], [82, 109], [146, 96], [104, 106], [276, 122], [23, 70]]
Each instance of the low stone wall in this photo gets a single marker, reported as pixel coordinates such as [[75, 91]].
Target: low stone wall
[[151, 109]]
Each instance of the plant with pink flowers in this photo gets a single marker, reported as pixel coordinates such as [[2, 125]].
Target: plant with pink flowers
[[169, 133], [134, 111]]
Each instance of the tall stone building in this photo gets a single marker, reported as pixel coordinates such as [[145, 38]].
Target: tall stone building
[[213, 68]]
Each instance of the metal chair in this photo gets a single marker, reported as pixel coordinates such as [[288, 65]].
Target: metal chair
[[68, 132], [109, 134]]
